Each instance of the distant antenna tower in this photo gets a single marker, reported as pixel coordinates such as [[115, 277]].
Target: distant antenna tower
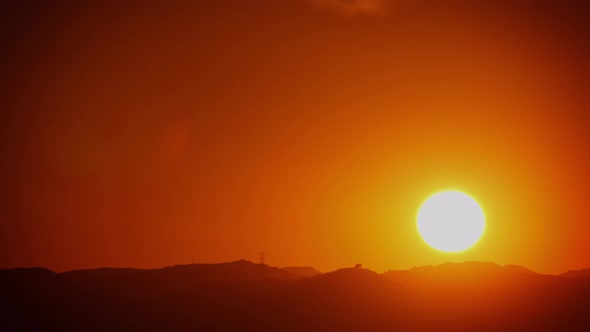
[[262, 257]]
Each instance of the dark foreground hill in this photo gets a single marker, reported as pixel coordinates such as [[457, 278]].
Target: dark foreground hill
[[243, 296], [577, 274], [467, 274], [301, 271]]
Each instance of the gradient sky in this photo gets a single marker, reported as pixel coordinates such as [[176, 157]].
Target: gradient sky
[[149, 133]]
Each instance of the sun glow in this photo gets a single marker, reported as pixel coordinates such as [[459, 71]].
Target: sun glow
[[451, 221]]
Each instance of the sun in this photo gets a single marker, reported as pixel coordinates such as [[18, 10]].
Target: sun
[[451, 221]]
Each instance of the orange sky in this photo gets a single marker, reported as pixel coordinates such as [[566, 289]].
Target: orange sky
[[146, 134]]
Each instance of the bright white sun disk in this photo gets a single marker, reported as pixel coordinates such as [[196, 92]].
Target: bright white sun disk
[[451, 221]]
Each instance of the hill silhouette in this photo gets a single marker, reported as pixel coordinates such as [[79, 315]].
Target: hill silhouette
[[585, 273], [350, 299], [301, 271], [178, 276], [467, 274], [242, 295]]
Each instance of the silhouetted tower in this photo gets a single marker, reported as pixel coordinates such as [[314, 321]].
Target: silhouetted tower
[[262, 257]]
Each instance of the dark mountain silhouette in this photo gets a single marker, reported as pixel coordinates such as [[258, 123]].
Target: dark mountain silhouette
[[301, 271], [467, 274], [35, 298], [351, 299], [242, 295], [471, 269], [576, 274], [178, 275]]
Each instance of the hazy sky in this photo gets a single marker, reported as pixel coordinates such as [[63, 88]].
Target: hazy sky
[[149, 133]]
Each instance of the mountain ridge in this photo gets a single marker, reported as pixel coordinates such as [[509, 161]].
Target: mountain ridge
[[243, 295], [307, 271], [583, 273]]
